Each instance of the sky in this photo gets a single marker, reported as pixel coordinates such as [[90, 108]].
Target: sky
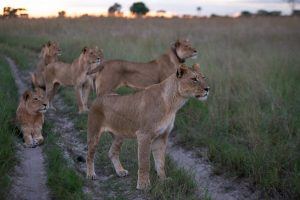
[[37, 8]]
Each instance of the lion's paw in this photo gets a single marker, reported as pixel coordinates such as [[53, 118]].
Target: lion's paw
[[122, 173], [92, 176]]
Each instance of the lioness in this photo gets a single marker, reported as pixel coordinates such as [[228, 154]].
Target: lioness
[[30, 116], [116, 73], [59, 73], [147, 115], [49, 54]]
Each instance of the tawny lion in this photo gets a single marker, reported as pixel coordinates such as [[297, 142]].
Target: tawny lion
[[147, 115], [115, 73], [49, 54], [30, 116], [59, 73]]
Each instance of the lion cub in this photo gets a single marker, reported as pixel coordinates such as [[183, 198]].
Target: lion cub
[[147, 115], [30, 116]]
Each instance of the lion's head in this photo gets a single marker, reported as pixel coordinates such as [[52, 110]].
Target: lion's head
[[36, 101], [183, 49], [93, 56], [50, 49], [192, 83]]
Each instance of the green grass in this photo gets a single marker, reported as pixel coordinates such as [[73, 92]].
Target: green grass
[[8, 104], [62, 179], [251, 120]]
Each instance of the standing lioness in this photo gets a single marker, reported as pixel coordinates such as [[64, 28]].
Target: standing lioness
[[116, 73], [49, 54], [59, 73], [147, 115]]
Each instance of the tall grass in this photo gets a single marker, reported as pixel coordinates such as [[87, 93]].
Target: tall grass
[[250, 122], [8, 103]]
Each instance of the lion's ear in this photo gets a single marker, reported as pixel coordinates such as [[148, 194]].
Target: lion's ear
[[84, 49], [181, 71], [27, 94], [49, 43], [196, 67]]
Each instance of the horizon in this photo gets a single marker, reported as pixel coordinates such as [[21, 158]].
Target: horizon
[[36, 8]]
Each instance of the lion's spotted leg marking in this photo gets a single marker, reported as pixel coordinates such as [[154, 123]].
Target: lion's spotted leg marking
[[114, 153], [144, 141], [158, 147]]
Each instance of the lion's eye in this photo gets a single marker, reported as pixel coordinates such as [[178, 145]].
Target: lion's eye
[[35, 99], [195, 80]]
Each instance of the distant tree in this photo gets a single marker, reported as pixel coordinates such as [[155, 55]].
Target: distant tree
[[9, 12], [115, 9], [246, 14], [262, 13], [139, 8], [62, 13], [292, 4], [296, 13], [267, 13], [199, 10]]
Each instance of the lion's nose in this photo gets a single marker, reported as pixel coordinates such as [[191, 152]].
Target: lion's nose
[[45, 105], [206, 89], [195, 51]]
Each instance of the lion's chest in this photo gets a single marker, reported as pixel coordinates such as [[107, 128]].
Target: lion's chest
[[165, 125]]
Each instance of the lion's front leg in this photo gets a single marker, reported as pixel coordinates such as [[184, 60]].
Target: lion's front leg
[[86, 88], [144, 141], [28, 140], [37, 136], [78, 90], [158, 147]]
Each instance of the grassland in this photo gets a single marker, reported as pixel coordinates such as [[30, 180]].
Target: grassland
[[8, 103], [62, 179], [250, 122]]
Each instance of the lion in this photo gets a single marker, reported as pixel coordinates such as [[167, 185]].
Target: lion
[[147, 115], [115, 73], [30, 116], [49, 54], [59, 73]]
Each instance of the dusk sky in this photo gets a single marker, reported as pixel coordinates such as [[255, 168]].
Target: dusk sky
[[78, 7]]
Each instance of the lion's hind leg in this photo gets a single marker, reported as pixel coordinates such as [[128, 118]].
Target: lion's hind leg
[[114, 153], [93, 135]]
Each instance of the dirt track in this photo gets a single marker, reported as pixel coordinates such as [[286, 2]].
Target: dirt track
[[29, 180]]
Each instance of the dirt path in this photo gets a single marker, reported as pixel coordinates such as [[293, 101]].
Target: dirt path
[[29, 181], [218, 187]]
